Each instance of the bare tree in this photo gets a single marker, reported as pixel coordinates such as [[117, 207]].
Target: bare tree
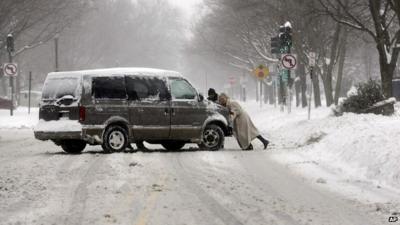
[[33, 23], [378, 18]]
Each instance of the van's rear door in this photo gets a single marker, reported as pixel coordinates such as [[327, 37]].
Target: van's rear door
[[60, 98]]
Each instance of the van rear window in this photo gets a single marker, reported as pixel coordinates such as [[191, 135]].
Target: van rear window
[[55, 88]]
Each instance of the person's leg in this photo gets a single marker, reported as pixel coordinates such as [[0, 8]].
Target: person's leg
[[263, 140]]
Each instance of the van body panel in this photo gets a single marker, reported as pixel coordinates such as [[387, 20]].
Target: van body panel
[[187, 118], [150, 120]]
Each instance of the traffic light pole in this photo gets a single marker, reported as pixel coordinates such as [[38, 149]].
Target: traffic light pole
[[289, 86], [10, 60]]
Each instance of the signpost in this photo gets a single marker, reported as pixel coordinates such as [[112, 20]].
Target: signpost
[[261, 72], [312, 62], [289, 62], [30, 89], [10, 69]]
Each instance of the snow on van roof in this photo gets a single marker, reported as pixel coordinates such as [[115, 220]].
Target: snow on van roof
[[120, 71]]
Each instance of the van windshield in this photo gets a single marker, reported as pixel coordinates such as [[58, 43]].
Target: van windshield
[[56, 88]]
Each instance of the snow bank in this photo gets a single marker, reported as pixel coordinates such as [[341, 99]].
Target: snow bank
[[365, 147], [20, 120]]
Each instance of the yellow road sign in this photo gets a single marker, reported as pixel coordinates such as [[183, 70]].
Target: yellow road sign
[[261, 72]]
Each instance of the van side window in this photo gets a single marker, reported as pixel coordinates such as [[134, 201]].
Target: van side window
[[181, 89], [146, 88], [109, 87]]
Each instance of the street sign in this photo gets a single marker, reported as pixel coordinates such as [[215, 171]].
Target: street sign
[[261, 72], [289, 61], [232, 80], [312, 58], [10, 69]]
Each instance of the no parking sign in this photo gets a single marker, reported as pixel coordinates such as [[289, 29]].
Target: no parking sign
[[10, 69]]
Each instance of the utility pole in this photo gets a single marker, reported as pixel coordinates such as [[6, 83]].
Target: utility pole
[[10, 49], [206, 80], [56, 52]]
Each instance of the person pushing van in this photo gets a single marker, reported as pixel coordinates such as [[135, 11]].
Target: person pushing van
[[243, 128]]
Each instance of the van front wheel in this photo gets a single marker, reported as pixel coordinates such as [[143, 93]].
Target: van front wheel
[[73, 146], [115, 139], [213, 138]]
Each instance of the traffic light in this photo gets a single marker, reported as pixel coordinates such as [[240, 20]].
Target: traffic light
[[10, 43], [275, 45], [285, 35]]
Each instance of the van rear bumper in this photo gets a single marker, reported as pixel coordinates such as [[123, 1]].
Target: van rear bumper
[[65, 135], [58, 130]]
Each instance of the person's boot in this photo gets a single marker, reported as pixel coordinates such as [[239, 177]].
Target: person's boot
[[249, 148], [264, 141]]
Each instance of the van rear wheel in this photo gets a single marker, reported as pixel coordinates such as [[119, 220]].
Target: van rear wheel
[[73, 146], [173, 145], [213, 138], [115, 139]]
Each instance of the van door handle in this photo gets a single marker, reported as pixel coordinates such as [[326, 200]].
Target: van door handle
[[98, 109]]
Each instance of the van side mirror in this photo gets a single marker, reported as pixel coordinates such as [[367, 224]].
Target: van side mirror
[[201, 97]]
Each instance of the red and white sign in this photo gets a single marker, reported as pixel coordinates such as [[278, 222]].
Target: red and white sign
[[232, 80], [289, 61], [10, 69]]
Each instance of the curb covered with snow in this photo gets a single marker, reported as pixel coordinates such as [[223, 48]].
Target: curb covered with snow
[[20, 120], [365, 147]]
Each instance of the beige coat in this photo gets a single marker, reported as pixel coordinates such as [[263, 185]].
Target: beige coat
[[243, 128]]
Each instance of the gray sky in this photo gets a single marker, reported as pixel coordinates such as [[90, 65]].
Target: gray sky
[[187, 5]]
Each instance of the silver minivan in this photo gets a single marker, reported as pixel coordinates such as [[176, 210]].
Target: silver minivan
[[119, 106]]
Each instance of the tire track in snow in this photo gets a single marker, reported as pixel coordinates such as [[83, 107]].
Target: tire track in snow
[[77, 208], [257, 212], [212, 204]]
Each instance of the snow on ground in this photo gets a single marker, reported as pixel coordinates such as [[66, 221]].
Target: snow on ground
[[347, 154], [20, 119], [352, 153]]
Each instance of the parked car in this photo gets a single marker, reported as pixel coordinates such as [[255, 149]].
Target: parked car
[[5, 103], [118, 106]]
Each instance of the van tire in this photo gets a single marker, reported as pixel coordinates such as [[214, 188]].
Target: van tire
[[73, 146], [173, 145], [115, 139], [213, 138]]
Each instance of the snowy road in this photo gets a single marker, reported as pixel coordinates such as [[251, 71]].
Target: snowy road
[[39, 184]]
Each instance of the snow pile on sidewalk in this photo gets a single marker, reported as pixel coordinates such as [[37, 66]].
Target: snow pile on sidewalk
[[364, 147], [21, 119]]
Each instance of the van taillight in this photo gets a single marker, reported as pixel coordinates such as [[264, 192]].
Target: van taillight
[[82, 113]]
